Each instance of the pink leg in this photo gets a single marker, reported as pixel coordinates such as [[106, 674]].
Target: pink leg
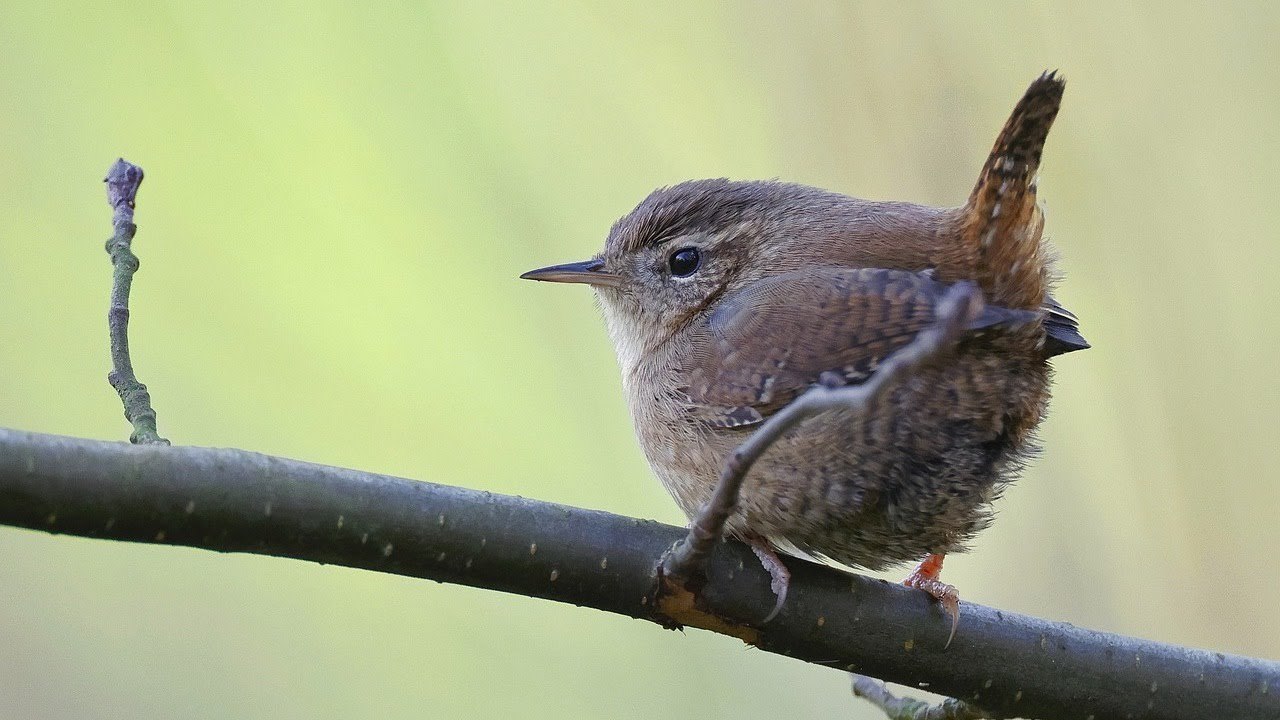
[[925, 577]]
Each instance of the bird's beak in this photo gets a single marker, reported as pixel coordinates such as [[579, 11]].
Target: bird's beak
[[591, 272]]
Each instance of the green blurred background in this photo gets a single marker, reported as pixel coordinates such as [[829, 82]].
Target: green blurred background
[[339, 199]]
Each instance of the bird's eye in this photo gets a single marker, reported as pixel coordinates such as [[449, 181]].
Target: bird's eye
[[685, 261]]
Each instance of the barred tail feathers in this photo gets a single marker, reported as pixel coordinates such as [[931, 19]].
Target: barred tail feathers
[[999, 244]]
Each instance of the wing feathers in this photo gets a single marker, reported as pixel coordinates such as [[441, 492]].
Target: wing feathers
[[769, 342]]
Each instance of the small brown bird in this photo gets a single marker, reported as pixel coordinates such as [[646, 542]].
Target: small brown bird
[[727, 300]]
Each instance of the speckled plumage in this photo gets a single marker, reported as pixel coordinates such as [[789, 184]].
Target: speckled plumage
[[798, 286]]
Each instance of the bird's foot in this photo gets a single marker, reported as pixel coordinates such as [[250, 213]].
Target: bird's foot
[[779, 575], [925, 577]]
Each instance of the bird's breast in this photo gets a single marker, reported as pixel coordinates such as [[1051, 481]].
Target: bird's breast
[[683, 453]]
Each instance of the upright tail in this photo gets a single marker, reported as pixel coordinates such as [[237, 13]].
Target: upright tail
[[998, 245]]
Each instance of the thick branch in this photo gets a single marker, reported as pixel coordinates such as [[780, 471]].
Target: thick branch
[[236, 501], [123, 179]]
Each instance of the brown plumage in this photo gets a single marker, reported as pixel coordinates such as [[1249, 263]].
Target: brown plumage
[[999, 241], [726, 300]]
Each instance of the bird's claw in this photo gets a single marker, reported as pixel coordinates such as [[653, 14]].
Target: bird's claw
[[925, 577], [779, 575]]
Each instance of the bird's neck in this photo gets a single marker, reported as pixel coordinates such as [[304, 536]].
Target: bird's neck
[[638, 344]]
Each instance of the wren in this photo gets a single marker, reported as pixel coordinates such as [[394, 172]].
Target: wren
[[726, 300]]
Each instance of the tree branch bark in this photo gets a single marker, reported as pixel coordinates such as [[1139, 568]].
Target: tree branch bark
[[237, 501]]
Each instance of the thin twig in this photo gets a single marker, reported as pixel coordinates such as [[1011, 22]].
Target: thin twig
[[896, 708], [687, 559], [123, 179]]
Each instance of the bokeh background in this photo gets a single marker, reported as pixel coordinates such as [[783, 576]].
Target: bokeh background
[[339, 198]]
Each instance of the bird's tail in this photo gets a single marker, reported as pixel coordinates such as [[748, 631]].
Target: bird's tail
[[999, 241]]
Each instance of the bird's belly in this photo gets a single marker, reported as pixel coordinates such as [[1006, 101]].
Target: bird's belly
[[918, 477]]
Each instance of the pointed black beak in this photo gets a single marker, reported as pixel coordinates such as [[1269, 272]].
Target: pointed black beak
[[590, 272]]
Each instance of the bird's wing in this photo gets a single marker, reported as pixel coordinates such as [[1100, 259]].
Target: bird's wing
[[771, 341]]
